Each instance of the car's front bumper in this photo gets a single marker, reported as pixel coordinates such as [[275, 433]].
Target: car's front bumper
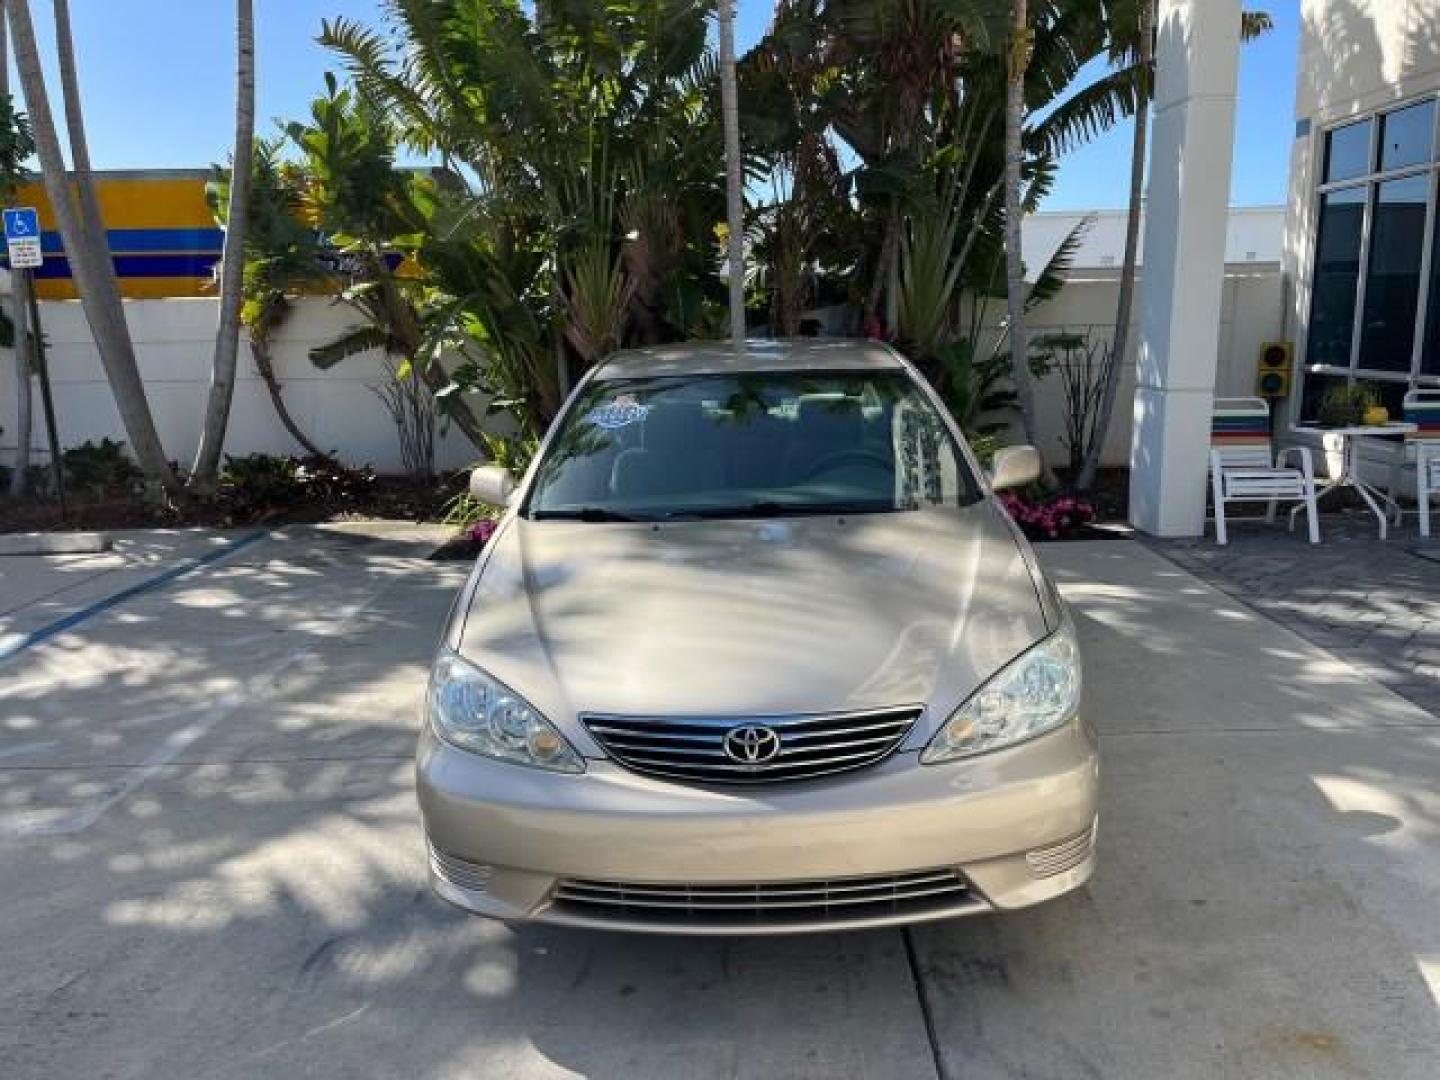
[[1014, 827]]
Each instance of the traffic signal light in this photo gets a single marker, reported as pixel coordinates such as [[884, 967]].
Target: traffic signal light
[[1272, 378]]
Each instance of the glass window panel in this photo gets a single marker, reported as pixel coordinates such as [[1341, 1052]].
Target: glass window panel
[[1347, 152], [1337, 274], [1406, 135], [1430, 350], [1392, 283]]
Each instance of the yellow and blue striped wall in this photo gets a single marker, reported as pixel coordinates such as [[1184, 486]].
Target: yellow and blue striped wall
[[163, 237]]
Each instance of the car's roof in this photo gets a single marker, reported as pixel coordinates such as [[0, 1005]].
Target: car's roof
[[720, 357]]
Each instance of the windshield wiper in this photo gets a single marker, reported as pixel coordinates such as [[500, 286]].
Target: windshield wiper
[[770, 509], [584, 513]]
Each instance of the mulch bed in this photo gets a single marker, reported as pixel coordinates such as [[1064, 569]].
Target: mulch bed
[[394, 499], [391, 498], [1084, 532], [462, 547]]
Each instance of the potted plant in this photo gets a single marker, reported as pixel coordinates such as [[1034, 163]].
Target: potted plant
[[1350, 404]]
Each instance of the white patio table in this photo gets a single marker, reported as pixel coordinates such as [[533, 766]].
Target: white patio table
[[1380, 502]]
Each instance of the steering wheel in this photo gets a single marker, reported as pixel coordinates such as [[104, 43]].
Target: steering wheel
[[842, 458]]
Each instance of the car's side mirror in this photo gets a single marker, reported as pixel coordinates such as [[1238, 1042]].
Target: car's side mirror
[[1015, 466], [492, 485]]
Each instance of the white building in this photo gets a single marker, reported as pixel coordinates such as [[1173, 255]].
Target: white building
[[1359, 232], [1360, 235]]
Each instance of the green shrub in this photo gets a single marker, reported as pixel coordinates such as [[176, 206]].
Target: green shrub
[[260, 478], [514, 452], [99, 469], [251, 481], [323, 479], [984, 444]]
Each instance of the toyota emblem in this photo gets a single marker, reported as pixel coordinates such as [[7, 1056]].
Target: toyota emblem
[[752, 745]]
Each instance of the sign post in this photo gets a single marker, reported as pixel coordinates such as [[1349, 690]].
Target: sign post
[[22, 240]]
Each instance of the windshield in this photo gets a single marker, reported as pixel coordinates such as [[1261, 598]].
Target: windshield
[[750, 445]]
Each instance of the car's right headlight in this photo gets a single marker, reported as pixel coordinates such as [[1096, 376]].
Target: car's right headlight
[[472, 711], [1035, 693]]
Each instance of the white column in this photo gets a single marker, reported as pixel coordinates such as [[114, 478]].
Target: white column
[[1192, 144]]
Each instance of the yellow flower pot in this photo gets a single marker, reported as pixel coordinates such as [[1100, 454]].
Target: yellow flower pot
[[1376, 415]]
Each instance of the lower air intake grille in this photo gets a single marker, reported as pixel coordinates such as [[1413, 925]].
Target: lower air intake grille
[[772, 903], [1066, 855], [462, 873], [714, 750]]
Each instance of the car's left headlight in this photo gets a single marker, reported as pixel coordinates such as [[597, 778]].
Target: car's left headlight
[[472, 711], [1035, 693]]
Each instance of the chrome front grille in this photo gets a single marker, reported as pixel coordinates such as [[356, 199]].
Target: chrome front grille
[[694, 748], [913, 895]]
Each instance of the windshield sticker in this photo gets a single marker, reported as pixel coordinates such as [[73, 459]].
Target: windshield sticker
[[622, 412]]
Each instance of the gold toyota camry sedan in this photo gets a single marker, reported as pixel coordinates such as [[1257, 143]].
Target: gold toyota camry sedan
[[754, 649]]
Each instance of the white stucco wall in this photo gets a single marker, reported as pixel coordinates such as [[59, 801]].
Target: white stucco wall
[[1253, 311], [173, 341], [338, 409]]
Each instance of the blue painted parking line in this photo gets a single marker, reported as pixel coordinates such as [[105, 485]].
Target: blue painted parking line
[[14, 648]]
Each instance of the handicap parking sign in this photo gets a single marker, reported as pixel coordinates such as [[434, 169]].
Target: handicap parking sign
[[22, 237], [21, 222]]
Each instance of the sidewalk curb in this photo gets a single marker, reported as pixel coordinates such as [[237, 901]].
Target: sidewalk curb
[[75, 543]]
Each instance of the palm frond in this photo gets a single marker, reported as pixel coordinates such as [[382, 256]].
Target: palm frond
[[368, 59], [1255, 23], [1090, 111], [1052, 278], [361, 339]]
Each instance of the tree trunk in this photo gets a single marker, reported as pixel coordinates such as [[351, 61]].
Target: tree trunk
[[400, 320], [24, 396], [1126, 305], [90, 266], [889, 251], [47, 395], [82, 182], [734, 194], [457, 411], [232, 262], [265, 365], [1018, 62], [24, 401]]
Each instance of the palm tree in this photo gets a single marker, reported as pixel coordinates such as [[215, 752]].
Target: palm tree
[[1017, 64], [350, 189], [281, 258], [534, 110], [1124, 308], [90, 264], [734, 196], [232, 262]]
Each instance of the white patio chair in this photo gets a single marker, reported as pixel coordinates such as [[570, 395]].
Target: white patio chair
[[1422, 408], [1243, 470]]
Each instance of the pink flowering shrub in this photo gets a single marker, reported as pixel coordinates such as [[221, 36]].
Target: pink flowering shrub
[[482, 530], [1050, 519]]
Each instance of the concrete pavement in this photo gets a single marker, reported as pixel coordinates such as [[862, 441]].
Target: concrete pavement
[[212, 865]]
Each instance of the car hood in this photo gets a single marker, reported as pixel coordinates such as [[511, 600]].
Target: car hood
[[751, 618]]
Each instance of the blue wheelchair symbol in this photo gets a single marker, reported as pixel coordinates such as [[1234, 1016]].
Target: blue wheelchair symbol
[[21, 224]]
